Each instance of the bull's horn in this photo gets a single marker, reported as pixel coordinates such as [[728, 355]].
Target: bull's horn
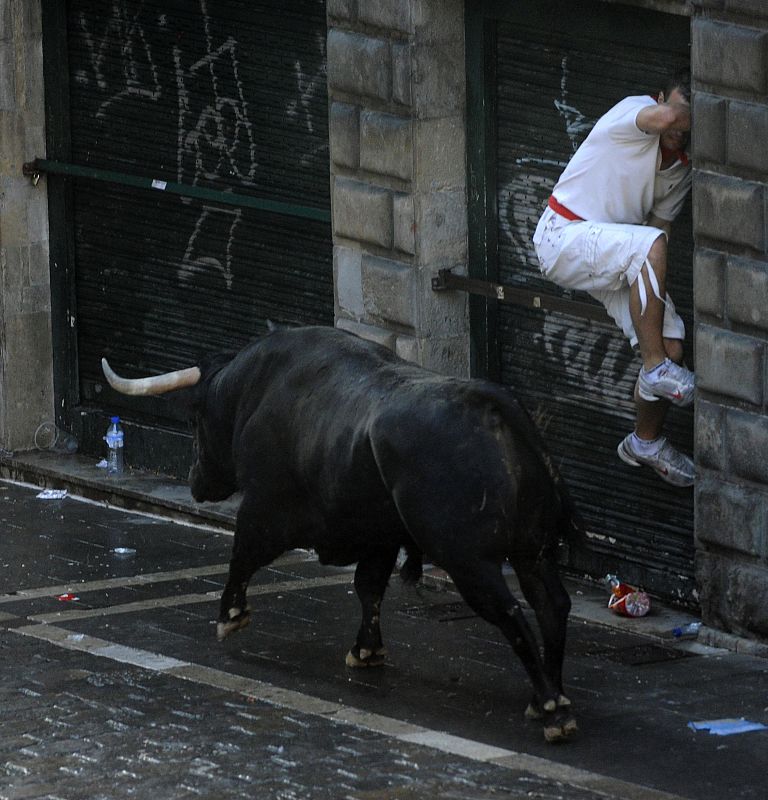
[[159, 384]]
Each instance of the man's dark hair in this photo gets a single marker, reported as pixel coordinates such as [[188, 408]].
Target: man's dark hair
[[680, 80]]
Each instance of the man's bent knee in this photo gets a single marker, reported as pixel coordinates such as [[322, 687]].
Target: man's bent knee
[[674, 348], [657, 255]]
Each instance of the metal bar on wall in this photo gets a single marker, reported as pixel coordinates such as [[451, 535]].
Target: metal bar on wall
[[41, 166], [446, 280]]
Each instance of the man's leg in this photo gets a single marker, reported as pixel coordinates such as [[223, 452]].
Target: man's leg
[[651, 415], [661, 376], [645, 446], [649, 324]]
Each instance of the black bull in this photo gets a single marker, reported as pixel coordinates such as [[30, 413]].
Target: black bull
[[340, 446]]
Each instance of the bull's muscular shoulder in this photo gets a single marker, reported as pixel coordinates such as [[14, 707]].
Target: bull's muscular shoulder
[[314, 353]]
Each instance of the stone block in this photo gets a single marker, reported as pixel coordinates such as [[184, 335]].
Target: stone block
[[29, 86], [729, 209], [37, 218], [730, 55], [747, 297], [709, 132], [747, 444], [401, 74], [28, 398], [407, 347], [440, 154], [370, 332], [709, 282], [404, 223], [441, 228], [13, 146], [394, 15], [386, 144], [439, 80], [446, 355], [757, 8], [731, 516], [344, 134], [39, 268], [708, 432], [35, 298], [747, 125], [341, 9], [8, 100], [439, 21], [442, 314], [359, 64], [14, 260], [729, 364], [389, 290], [347, 269], [6, 22], [14, 225], [362, 212], [733, 596]]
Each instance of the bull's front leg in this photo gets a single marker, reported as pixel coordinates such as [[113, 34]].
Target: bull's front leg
[[255, 546], [234, 611], [371, 577]]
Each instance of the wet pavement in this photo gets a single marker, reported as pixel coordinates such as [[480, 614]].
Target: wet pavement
[[113, 684]]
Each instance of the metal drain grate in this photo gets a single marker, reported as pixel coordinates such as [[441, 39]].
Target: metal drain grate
[[440, 612], [639, 654]]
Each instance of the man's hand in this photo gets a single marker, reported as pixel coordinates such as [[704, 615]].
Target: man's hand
[[673, 114]]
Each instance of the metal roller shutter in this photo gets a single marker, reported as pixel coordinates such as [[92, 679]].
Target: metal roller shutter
[[556, 71], [224, 96]]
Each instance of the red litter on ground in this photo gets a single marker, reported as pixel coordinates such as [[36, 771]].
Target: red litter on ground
[[68, 597], [626, 600]]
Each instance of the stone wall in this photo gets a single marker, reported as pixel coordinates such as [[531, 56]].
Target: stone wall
[[26, 383], [398, 177], [730, 72]]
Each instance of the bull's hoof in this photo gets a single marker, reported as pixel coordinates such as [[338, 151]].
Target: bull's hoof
[[357, 657], [237, 620], [558, 731], [559, 723], [534, 710]]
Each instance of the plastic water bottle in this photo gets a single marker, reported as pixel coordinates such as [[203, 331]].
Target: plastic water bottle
[[115, 440], [691, 629]]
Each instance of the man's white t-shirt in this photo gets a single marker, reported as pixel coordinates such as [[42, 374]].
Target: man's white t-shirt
[[615, 174]]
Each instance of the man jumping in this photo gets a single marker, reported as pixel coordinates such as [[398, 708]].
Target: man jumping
[[605, 230]]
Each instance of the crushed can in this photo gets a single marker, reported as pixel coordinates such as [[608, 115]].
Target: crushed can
[[626, 600]]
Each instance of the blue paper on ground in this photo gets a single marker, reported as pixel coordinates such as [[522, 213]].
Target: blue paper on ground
[[727, 727]]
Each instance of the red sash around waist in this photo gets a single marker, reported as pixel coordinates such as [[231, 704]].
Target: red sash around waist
[[560, 209]]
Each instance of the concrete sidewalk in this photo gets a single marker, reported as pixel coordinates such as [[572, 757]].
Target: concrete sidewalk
[[450, 698]]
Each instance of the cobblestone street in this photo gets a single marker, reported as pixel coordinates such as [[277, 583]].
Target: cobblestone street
[[113, 684]]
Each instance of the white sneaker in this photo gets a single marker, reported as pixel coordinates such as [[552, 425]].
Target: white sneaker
[[670, 381], [669, 464]]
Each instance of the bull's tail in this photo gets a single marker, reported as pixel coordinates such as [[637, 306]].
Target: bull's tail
[[413, 566], [569, 520]]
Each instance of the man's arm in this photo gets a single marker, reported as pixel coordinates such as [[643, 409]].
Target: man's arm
[[664, 117]]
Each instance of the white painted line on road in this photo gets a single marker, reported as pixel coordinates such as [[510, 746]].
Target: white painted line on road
[[189, 599], [347, 715], [143, 579], [114, 583]]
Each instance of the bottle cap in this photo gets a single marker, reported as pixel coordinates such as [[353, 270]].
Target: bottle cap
[[115, 420]]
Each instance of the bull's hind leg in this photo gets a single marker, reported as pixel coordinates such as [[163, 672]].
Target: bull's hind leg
[[482, 585], [371, 577], [542, 588]]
